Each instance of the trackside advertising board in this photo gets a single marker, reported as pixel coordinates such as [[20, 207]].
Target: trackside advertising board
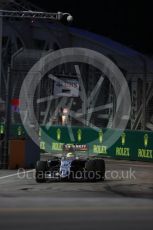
[[66, 87], [131, 145]]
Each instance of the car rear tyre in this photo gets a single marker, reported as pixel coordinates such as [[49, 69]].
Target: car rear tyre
[[41, 168], [95, 169]]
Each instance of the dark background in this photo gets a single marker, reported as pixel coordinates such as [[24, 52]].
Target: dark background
[[128, 22]]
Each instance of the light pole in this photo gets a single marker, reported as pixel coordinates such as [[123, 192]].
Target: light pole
[[143, 122]]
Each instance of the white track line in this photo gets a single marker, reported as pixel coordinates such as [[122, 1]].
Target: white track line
[[16, 174]]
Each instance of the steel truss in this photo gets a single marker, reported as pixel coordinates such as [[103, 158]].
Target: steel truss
[[32, 14]]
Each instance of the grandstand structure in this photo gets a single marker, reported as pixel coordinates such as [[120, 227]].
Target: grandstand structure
[[24, 40]]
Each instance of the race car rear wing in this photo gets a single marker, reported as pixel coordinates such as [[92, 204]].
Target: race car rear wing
[[74, 147]]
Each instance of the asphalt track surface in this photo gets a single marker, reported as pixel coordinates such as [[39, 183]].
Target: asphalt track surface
[[123, 201]]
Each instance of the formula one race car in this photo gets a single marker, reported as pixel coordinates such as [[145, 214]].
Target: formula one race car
[[70, 167]]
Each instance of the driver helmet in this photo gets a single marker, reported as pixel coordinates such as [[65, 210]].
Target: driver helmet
[[70, 155]]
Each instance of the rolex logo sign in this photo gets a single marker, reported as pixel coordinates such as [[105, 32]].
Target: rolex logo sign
[[79, 135], [58, 134], [146, 140], [100, 136], [123, 138]]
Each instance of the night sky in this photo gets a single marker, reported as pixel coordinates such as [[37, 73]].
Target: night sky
[[128, 22]]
